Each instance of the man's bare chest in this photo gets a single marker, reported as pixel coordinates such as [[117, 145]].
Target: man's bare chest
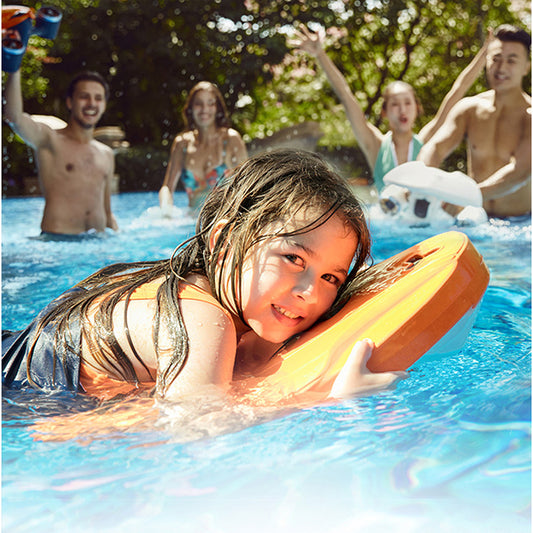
[[493, 132], [67, 158]]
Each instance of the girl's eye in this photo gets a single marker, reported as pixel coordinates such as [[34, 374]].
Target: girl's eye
[[330, 278], [296, 259]]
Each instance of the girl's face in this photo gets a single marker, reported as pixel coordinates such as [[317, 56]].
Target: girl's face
[[401, 110], [204, 108], [289, 282]]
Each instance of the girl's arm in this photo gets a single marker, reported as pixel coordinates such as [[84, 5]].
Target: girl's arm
[[367, 135], [174, 167], [212, 345], [355, 378], [212, 348], [461, 85]]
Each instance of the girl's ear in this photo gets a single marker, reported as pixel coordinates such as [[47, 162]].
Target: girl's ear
[[215, 233]]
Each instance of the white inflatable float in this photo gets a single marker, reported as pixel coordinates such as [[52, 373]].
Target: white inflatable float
[[415, 193], [54, 122]]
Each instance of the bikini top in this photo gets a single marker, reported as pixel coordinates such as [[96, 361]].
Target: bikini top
[[387, 159], [192, 183]]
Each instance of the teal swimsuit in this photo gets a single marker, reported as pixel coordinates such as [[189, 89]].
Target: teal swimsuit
[[192, 184], [387, 160]]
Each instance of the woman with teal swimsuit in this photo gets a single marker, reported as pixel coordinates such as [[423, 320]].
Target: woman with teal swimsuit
[[384, 151], [204, 151]]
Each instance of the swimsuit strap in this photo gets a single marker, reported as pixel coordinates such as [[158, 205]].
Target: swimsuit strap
[[147, 291], [187, 291]]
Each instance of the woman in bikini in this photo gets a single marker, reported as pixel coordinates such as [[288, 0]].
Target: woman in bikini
[[204, 151]]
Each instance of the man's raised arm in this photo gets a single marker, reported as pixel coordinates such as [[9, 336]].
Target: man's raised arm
[[447, 137], [33, 133]]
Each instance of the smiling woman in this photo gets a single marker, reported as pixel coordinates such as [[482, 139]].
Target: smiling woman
[[207, 149]]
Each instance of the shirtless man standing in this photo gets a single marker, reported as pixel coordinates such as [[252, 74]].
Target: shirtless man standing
[[497, 125], [75, 170]]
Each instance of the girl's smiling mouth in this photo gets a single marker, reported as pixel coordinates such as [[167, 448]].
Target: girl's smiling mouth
[[284, 314]]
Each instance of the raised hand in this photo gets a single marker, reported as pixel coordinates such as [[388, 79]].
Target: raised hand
[[306, 40]]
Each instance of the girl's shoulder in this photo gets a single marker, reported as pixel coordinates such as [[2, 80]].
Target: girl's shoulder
[[147, 291], [196, 288], [234, 134], [184, 138], [229, 133]]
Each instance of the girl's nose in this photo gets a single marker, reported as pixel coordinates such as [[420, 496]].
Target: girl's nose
[[306, 289]]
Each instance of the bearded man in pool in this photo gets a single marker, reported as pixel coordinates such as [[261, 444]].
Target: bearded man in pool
[[75, 170], [497, 126]]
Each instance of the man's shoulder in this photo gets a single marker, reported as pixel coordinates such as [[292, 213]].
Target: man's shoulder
[[470, 106], [103, 148]]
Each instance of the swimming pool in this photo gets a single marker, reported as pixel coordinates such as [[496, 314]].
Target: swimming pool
[[448, 450]]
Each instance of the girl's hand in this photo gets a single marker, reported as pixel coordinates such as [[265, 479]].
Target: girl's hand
[[355, 378], [306, 40]]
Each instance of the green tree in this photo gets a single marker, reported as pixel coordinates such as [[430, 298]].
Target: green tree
[[153, 51]]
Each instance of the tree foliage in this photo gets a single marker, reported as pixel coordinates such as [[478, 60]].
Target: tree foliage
[[425, 43], [153, 51]]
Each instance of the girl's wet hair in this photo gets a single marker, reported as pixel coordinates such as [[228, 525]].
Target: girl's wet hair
[[222, 119], [264, 190]]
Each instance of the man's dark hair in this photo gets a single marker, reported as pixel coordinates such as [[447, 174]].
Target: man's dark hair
[[88, 76], [509, 33]]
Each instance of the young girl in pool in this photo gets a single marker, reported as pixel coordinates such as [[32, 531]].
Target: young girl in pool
[[277, 245], [401, 107]]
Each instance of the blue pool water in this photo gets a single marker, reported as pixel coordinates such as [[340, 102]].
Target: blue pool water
[[448, 450]]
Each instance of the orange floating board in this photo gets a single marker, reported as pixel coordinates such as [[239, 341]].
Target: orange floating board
[[421, 300]]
